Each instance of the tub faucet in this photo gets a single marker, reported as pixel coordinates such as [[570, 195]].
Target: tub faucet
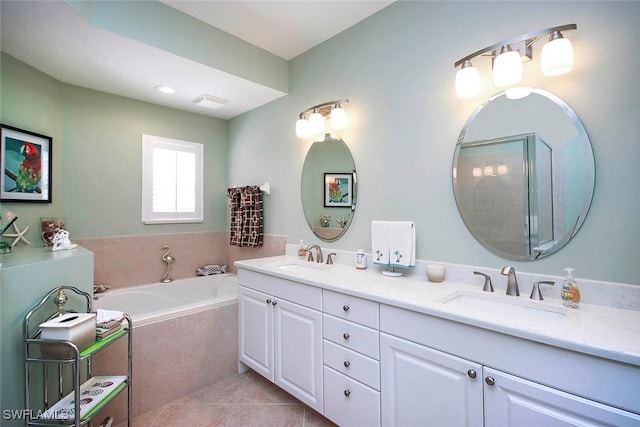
[[512, 282], [168, 259], [318, 253]]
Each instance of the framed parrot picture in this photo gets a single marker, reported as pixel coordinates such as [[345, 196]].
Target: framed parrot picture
[[338, 188], [25, 158]]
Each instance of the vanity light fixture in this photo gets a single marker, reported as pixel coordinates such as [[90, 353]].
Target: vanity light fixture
[[311, 122], [507, 56]]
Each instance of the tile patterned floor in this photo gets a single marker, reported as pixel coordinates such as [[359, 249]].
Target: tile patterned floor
[[243, 400]]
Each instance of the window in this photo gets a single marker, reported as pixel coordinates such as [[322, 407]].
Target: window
[[171, 181]]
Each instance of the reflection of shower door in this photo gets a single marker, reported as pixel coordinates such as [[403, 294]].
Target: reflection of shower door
[[505, 195]]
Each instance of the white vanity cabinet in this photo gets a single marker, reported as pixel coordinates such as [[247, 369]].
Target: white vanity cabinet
[[351, 360], [463, 381], [422, 386], [280, 333]]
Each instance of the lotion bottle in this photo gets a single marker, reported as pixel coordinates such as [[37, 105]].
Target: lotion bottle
[[570, 292], [361, 260]]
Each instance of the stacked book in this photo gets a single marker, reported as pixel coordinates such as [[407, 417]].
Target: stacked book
[[107, 328]]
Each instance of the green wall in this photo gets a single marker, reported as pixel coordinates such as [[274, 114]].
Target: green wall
[[396, 67], [97, 153]]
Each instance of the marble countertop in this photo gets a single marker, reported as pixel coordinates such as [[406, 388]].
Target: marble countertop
[[601, 331]]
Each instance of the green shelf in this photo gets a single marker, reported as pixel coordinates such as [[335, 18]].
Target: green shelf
[[102, 343]]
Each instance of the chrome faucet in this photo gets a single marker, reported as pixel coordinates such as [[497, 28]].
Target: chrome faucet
[[512, 282], [318, 253], [168, 259]]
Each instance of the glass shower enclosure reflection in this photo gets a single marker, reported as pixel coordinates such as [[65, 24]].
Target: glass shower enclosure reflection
[[505, 192]]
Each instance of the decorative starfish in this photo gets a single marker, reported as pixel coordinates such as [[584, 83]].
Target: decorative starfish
[[19, 235]]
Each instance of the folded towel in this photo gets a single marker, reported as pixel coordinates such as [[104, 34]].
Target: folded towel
[[380, 234], [103, 316], [110, 324], [402, 244]]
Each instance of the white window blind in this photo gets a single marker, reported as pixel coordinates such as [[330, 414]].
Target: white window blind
[[172, 180]]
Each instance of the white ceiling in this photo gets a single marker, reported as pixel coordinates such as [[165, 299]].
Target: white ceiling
[[51, 37]]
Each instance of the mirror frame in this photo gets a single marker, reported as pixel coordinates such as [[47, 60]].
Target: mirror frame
[[312, 209], [589, 185]]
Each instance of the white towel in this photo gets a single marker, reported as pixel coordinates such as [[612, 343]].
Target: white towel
[[103, 316], [380, 242], [402, 244]]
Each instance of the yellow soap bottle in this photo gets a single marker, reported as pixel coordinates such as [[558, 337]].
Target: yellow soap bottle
[[570, 292]]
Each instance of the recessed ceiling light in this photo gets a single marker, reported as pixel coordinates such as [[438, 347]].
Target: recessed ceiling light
[[209, 101], [165, 89]]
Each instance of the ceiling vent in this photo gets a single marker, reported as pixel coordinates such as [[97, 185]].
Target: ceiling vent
[[209, 101]]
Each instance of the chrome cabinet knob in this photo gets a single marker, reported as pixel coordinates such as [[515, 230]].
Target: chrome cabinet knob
[[471, 373], [274, 303], [345, 307], [347, 392], [490, 381], [346, 363], [268, 300], [345, 336]]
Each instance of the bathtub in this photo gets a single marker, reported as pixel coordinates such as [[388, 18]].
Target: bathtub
[[157, 302]]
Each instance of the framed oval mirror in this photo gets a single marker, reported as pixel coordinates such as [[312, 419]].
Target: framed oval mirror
[[523, 175], [329, 188]]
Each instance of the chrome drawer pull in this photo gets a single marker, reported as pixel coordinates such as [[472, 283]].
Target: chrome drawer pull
[[471, 373], [345, 336], [346, 363], [490, 381], [347, 392], [345, 307]]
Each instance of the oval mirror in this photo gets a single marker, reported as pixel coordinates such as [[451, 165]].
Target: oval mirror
[[523, 175], [329, 188]]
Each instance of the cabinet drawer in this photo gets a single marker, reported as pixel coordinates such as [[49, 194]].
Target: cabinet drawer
[[351, 308], [299, 293], [348, 402], [356, 365], [351, 335]]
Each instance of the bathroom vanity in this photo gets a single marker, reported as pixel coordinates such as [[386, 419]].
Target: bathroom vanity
[[365, 349]]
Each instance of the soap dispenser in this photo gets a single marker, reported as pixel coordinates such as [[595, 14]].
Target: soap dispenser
[[302, 252], [570, 292]]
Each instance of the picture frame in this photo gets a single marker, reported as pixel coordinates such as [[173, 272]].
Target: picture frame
[[338, 190], [26, 160]]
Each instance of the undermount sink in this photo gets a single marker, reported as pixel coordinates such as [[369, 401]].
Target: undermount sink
[[496, 304], [302, 266]]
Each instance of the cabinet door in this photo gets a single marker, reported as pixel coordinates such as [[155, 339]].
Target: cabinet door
[[513, 401], [255, 331], [425, 387], [298, 352]]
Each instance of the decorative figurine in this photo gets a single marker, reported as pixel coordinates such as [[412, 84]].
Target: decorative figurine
[[61, 241], [19, 234]]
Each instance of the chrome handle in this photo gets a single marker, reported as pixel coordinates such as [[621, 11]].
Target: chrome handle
[[488, 286], [490, 381], [346, 363], [535, 291], [268, 300], [347, 392], [345, 307], [345, 336], [471, 373], [274, 303]]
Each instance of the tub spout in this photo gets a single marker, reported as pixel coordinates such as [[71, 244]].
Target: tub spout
[[168, 259]]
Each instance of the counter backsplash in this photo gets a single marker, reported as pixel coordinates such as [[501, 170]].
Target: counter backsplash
[[611, 294]]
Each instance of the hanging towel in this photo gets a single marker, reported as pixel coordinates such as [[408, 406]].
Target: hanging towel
[[247, 216], [402, 244], [380, 242]]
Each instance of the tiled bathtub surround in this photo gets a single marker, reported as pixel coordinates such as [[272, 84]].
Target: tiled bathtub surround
[[173, 358], [136, 260]]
